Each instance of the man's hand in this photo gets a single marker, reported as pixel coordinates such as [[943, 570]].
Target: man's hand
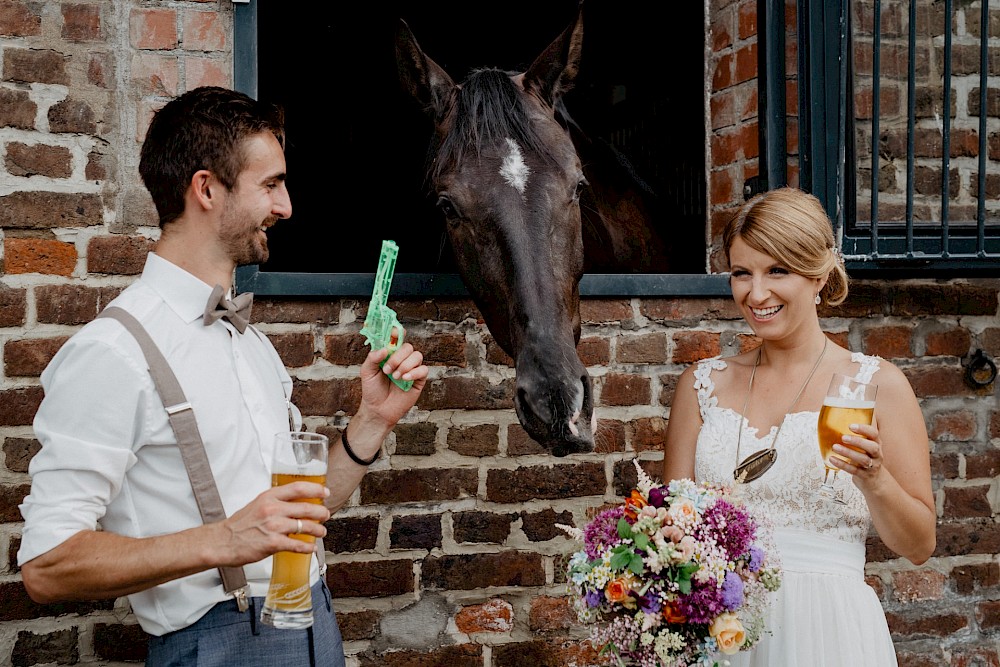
[[381, 400]]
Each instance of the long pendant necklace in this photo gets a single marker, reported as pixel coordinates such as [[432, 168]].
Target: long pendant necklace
[[758, 463]]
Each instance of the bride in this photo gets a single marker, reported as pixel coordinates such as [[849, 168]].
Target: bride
[[765, 401]]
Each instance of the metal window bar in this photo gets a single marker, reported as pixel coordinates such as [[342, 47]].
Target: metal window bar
[[956, 249], [912, 230]]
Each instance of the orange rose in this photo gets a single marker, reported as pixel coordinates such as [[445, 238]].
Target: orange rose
[[618, 591], [672, 614], [729, 632], [633, 504]]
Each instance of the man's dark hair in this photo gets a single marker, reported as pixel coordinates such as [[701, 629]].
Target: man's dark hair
[[202, 129]]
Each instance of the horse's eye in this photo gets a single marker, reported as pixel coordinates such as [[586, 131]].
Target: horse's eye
[[446, 207], [581, 185]]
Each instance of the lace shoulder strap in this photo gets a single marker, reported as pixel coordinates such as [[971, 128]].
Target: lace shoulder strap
[[703, 382], [868, 366]]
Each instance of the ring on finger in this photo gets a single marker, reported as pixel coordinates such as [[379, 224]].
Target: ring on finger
[[298, 528], [871, 462]]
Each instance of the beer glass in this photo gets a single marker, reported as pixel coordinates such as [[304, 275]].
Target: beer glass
[[847, 402], [299, 456]]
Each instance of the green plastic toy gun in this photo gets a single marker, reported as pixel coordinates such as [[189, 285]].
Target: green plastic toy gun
[[381, 328]]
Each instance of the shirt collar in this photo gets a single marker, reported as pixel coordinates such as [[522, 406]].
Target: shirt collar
[[181, 291]]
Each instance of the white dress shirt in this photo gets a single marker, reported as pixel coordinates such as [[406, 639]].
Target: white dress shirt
[[109, 457]]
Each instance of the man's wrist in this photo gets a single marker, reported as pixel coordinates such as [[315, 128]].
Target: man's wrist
[[353, 455]]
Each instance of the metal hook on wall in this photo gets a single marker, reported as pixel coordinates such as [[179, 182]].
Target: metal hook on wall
[[980, 371]]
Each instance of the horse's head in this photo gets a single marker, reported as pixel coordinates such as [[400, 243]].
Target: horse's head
[[508, 182]]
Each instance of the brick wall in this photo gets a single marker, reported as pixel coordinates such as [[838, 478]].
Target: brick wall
[[447, 554]]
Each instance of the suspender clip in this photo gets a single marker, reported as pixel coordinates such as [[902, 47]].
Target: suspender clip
[[242, 602]]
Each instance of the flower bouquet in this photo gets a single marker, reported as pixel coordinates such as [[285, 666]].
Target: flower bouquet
[[674, 576]]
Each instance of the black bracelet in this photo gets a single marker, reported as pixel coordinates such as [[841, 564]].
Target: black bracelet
[[354, 457]]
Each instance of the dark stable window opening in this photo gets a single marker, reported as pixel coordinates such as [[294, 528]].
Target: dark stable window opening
[[356, 144]]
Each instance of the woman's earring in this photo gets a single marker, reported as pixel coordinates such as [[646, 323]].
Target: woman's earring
[[818, 300]]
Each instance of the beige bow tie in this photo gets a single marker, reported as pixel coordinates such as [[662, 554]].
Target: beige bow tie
[[236, 311]]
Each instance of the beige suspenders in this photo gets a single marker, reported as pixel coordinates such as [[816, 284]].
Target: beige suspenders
[[189, 441]]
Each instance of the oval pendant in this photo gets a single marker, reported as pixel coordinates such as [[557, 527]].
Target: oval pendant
[[755, 465]]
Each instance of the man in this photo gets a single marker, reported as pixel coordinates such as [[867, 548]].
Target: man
[[111, 510]]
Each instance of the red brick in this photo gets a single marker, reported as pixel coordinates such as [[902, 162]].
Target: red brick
[[541, 526], [81, 23], [469, 393], [940, 625], [39, 160], [594, 351], [35, 66], [441, 348], [418, 439], [519, 443], [953, 426], [967, 501], [648, 433], [747, 20], [465, 655], [970, 577], [746, 63], [71, 304], [551, 613], [382, 487], [933, 381], [692, 346], [95, 169], [120, 642], [153, 28], [203, 31], [327, 397], [605, 311], [18, 406], [988, 615], [474, 440], [351, 534], [610, 436], [642, 349], [17, 110], [688, 312], [47, 210], [495, 354], [206, 72], [986, 464], [295, 349], [722, 77], [961, 538], [417, 531], [18, 453], [120, 255], [544, 482], [481, 527], [358, 625], [28, 357], [72, 116], [464, 572], [20, 19], [496, 615], [918, 585], [56, 647], [556, 651], [13, 306], [155, 74], [45, 256], [345, 349], [370, 579], [887, 342], [625, 389], [10, 497]]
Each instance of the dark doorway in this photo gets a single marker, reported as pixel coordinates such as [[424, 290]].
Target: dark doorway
[[356, 145]]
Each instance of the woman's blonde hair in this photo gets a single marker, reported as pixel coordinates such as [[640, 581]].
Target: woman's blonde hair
[[792, 227]]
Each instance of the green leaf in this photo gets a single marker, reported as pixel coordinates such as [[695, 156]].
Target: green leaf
[[641, 540], [620, 560], [635, 564], [684, 586], [624, 529]]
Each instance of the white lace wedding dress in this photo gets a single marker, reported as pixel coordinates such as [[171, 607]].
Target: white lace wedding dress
[[824, 614]]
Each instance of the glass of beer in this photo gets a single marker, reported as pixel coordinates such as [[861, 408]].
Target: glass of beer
[[299, 456], [847, 402]]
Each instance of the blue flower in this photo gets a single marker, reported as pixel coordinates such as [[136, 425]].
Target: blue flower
[[732, 591], [593, 598], [756, 558]]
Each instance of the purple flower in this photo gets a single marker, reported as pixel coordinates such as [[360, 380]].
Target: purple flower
[[756, 558], [602, 532], [649, 604], [593, 598], [731, 526], [703, 603], [658, 496], [732, 591]]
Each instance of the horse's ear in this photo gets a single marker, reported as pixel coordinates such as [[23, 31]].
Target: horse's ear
[[554, 71], [420, 76]]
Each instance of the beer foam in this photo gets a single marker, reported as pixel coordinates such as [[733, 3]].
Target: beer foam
[[835, 402], [313, 468]]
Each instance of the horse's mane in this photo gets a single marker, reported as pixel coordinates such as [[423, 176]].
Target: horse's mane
[[489, 108]]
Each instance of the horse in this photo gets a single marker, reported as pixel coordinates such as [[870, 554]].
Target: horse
[[522, 196]]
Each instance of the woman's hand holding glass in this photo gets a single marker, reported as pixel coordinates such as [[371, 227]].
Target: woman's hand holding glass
[[848, 409]]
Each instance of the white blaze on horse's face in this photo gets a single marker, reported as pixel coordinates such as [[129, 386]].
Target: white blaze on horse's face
[[514, 170]]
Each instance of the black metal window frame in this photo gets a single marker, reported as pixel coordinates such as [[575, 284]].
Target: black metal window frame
[[360, 285], [827, 158]]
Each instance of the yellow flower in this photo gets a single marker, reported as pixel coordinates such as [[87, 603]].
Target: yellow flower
[[728, 632], [618, 591]]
